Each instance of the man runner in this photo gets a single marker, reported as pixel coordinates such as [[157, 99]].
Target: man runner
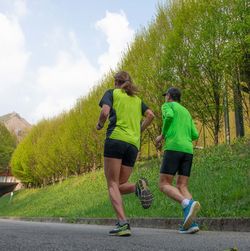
[[179, 131]]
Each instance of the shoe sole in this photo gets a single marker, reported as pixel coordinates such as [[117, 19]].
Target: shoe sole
[[195, 208], [146, 197], [122, 233], [192, 230]]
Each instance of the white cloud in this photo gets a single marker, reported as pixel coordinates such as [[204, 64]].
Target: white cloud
[[118, 35], [50, 89], [51, 106], [52, 38], [14, 58], [20, 8], [13, 55], [69, 78], [73, 75]]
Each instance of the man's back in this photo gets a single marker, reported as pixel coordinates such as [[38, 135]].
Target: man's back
[[178, 128]]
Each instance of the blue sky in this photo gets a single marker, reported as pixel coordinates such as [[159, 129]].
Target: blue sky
[[53, 51]]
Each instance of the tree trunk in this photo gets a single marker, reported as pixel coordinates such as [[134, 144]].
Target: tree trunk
[[204, 135], [238, 109], [226, 117], [217, 116], [216, 135]]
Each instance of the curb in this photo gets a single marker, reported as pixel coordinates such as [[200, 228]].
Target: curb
[[207, 224]]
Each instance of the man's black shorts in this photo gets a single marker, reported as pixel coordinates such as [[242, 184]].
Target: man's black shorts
[[118, 149], [174, 161]]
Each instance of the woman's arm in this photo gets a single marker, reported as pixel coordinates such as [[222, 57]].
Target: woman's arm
[[103, 117]]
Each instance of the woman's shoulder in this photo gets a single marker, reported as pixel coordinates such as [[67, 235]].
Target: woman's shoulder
[[109, 91]]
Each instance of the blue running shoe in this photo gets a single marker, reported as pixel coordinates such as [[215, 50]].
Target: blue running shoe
[[190, 213], [194, 228]]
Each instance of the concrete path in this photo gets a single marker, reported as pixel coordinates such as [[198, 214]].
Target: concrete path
[[19, 235]]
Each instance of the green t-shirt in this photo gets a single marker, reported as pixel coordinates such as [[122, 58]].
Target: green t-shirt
[[125, 116], [178, 128]]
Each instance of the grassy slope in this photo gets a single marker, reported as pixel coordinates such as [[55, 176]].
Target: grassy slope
[[220, 181]]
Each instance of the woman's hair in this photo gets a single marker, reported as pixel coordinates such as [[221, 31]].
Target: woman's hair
[[124, 81]]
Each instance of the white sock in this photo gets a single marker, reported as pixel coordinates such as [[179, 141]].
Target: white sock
[[185, 203]]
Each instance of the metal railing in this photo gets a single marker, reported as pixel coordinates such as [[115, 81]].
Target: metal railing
[[8, 179]]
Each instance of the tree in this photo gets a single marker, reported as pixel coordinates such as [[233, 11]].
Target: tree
[[200, 46], [7, 147]]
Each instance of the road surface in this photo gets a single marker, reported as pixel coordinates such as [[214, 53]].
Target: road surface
[[20, 235]]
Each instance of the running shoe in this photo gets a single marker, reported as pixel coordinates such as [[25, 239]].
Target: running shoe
[[190, 213], [194, 228], [143, 193], [121, 230]]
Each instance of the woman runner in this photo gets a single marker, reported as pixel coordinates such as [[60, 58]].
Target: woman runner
[[125, 110]]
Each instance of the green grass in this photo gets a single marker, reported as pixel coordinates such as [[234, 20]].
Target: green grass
[[220, 180]]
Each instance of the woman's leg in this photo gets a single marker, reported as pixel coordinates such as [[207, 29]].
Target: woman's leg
[[126, 187], [112, 168]]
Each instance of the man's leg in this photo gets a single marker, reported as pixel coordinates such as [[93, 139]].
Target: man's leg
[[170, 165], [112, 169], [166, 187], [182, 185], [190, 207]]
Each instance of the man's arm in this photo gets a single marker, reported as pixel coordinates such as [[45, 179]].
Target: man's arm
[[194, 132], [167, 116], [158, 140], [149, 116]]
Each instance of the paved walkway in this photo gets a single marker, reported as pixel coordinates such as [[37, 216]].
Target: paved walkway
[[19, 235]]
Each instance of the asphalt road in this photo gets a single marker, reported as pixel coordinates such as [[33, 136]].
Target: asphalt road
[[19, 235]]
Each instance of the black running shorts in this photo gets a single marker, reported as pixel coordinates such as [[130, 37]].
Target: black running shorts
[[174, 161], [118, 149]]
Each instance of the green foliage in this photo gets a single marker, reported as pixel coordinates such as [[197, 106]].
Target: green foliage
[[7, 147], [199, 46], [220, 181], [60, 147]]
